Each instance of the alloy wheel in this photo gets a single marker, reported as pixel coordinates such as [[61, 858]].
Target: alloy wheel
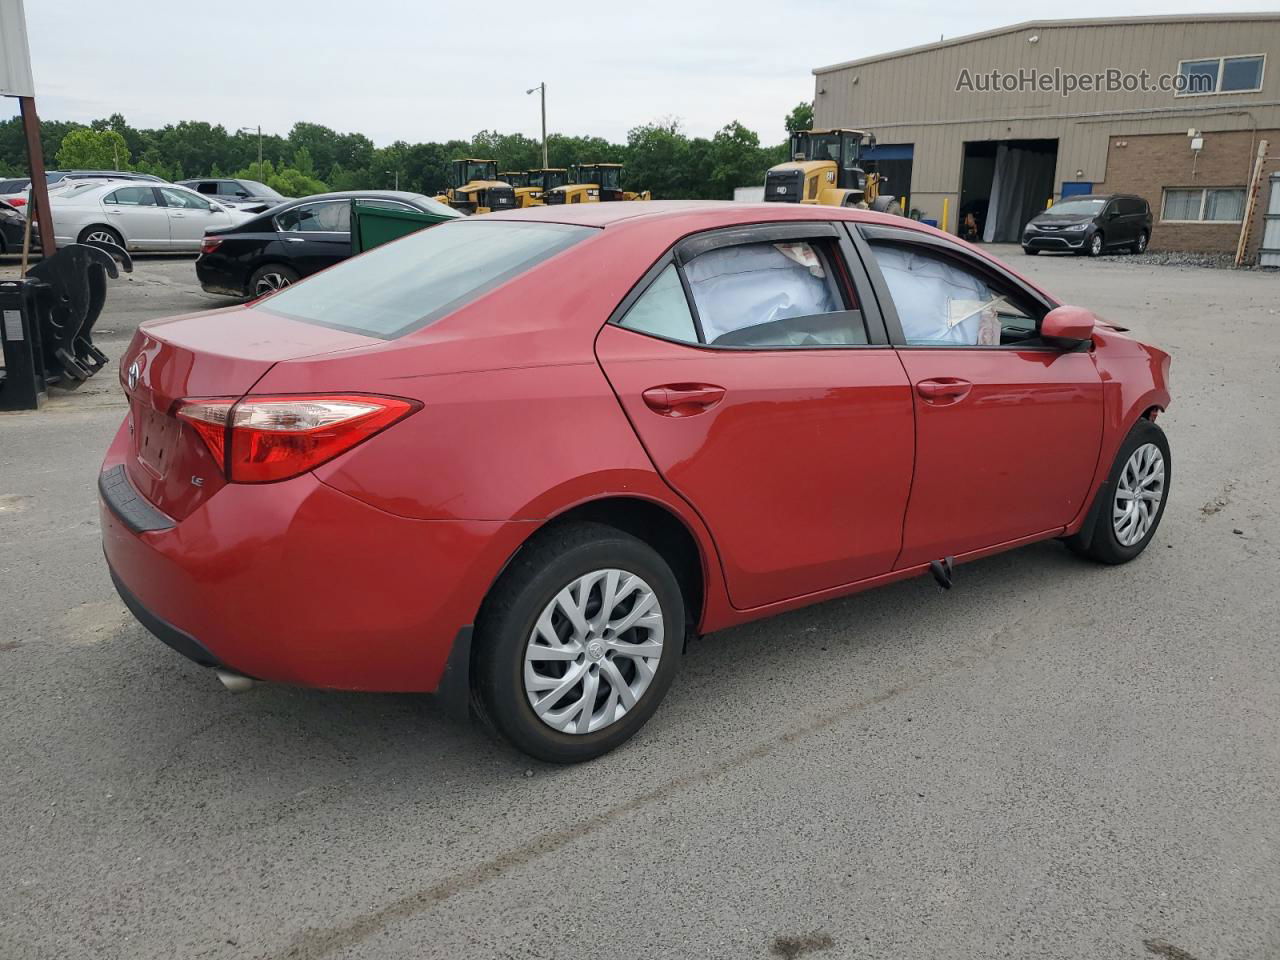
[[1095, 245], [270, 282], [101, 236], [593, 651], [1138, 494], [1142, 242]]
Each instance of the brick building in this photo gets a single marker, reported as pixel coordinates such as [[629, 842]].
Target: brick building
[[1004, 122]]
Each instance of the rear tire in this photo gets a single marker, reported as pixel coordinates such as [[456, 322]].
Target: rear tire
[[101, 234], [527, 644], [1126, 520], [1140, 245], [269, 278]]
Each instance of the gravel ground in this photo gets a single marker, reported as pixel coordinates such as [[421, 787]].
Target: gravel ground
[[1052, 760]]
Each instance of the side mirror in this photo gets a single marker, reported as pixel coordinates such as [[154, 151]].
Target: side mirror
[[1067, 326]]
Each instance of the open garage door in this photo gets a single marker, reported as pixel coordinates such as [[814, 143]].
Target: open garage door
[[1004, 183]]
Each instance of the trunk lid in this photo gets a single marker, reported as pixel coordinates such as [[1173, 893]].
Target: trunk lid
[[220, 353]]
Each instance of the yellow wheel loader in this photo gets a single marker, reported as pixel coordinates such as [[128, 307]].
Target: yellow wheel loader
[[826, 167], [474, 187], [597, 182], [531, 184]]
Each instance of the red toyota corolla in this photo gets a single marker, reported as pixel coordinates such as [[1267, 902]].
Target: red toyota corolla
[[518, 459]]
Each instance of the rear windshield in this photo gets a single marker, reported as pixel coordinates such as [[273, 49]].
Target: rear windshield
[[414, 281]]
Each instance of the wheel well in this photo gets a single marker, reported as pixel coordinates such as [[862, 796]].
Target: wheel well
[[99, 226], [655, 525]]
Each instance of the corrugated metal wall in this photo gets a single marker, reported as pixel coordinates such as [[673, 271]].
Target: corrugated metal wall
[[912, 97]]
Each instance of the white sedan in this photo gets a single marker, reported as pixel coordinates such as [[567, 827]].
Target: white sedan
[[137, 216]]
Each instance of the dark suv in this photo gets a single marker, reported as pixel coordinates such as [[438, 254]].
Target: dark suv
[[1090, 224], [247, 195]]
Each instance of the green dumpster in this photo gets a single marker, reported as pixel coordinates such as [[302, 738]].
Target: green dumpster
[[373, 224]]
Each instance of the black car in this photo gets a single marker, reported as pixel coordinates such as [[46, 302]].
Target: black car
[[12, 223], [293, 240], [1090, 224], [248, 195]]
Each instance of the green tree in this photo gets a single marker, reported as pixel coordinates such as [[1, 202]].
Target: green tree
[[93, 150], [801, 117]]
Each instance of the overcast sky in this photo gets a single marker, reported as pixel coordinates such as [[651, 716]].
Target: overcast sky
[[403, 70]]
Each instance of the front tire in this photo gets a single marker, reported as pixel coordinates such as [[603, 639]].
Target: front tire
[[578, 643], [1030, 251], [1095, 245], [1136, 492]]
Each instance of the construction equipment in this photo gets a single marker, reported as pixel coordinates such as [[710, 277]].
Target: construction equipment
[[827, 167], [531, 184], [596, 182], [474, 187]]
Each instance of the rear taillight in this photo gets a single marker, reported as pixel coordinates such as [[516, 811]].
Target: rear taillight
[[18, 202], [262, 439], [210, 244]]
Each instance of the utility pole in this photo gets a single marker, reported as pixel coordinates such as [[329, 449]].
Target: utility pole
[[543, 88], [259, 129]]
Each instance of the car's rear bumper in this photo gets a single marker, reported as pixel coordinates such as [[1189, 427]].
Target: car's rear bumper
[[217, 278], [296, 582]]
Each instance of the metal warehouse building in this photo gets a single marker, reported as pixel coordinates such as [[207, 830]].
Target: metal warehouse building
[[1171, 108]]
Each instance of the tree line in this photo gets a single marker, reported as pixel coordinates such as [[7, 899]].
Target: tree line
[[313, 158]]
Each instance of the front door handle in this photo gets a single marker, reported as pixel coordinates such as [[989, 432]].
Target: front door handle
[[943, 390], [682, 399]]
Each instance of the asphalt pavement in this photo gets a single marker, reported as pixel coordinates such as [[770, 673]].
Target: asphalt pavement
[[1052, 760]]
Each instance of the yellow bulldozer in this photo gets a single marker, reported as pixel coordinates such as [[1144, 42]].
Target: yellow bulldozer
[[596, 182], [827, 167], [474, 187], [530, 185]]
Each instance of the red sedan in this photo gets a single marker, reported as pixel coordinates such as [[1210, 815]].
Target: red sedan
[[519, 459]]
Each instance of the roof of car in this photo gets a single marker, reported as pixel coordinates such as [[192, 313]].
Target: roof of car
[[359, 194], [604, 214]]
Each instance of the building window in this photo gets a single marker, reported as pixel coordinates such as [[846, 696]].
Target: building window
[[1208, 205], [1220, 75]]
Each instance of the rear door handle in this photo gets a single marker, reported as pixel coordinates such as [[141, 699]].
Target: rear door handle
[[943, 390], [682, 399]]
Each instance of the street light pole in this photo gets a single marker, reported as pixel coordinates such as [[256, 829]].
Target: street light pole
[[259, 129], [542, 87]]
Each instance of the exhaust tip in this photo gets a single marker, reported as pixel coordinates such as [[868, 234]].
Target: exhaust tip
[[235, 682]]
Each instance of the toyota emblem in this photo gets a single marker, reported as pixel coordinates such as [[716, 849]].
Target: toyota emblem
[[132, 376]]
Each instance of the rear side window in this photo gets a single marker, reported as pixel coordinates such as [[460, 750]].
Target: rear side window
[[772, 295], [132, 196], [414, 281], [662, 310]]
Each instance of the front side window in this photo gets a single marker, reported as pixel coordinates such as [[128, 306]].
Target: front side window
[[333, 216], [182, 199], [773, 295], [1221, 75], [1204, 205], [942, 302], [132, 196], [402, 286]]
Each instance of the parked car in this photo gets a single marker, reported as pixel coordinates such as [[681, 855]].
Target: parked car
[[295, 240], [137, 216], [16, 190], [522, 457], [1090, 224], [12, 224], [247, 195]]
